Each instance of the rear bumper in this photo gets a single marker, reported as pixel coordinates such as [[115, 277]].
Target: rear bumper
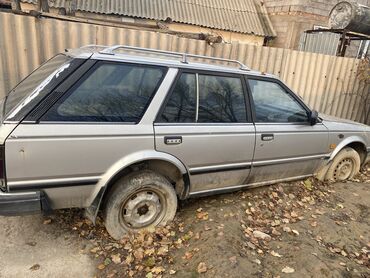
[[22, 203]]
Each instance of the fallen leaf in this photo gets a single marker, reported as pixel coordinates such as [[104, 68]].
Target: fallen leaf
[[162, 251], [47, 221], [261, 235], [202, 267], [112, 273], [139, 254], [35, 267], [95, 249], [257, 261], [149, 262], [275, 254], [101, 266], [158, 269], [107, 261], [295, 232], [202, 215], [287, 269], [129, 259], [172, 272], [293, 214], [308, 184], [187, 255], [233, 260], [116, 258]]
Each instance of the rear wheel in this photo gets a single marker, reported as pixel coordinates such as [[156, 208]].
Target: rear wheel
[[138, 201], [346, 164]]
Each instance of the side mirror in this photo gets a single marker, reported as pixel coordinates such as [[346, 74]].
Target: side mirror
[[314, 117]]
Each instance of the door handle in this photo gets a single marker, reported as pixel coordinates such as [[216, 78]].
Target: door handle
[[172, 140], [267, 137]]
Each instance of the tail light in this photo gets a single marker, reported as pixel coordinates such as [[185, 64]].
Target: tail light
[[2, 168]]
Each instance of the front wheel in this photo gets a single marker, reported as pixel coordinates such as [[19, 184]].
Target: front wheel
[[346, 164], [138, 201]]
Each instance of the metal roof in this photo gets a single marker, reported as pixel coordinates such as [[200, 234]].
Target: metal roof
[[243, 16]]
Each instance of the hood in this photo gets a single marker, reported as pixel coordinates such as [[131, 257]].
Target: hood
[[328, 118]]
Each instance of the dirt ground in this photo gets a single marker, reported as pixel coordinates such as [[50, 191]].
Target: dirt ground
[[297, 229]]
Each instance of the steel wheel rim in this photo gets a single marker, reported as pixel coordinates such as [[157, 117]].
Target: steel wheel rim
[[344, 169], [143, 208]]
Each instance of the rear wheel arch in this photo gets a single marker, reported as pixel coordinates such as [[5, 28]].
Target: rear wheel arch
[[170, 171], [165, 165]]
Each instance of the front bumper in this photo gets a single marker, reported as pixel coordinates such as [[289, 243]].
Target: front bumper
[[22, 203]]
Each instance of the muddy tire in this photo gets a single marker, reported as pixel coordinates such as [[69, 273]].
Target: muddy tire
[[346, 164], [138, 201]]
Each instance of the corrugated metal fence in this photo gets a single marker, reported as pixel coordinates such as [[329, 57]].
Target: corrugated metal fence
[[327, 83]]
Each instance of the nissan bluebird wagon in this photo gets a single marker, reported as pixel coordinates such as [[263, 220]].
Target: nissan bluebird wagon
[[130, 131]]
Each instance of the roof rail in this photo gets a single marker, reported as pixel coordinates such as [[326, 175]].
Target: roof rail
[[184, 56]]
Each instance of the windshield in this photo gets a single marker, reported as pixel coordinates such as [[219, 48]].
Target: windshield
[[28, 85]]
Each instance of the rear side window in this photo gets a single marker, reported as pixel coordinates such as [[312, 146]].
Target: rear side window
[[205, 98], [112, 92], [221, 100], [181, 106]]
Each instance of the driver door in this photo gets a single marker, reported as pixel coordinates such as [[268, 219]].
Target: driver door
[[287, 145]]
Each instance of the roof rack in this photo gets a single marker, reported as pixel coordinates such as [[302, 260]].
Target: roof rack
[[184, 56]]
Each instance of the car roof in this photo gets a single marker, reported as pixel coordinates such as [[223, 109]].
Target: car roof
[[161, 58]]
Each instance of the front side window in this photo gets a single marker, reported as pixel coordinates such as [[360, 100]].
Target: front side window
[[206, 98], [273, 104], [112, 92]]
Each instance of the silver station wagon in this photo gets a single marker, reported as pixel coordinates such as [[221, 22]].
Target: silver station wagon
[[129, 131]]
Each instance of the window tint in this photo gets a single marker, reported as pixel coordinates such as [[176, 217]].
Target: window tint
[[111, 93], [273, 104], [221, 99], [181, 105]]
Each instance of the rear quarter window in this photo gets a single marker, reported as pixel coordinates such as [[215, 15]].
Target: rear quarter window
[[111, 92]]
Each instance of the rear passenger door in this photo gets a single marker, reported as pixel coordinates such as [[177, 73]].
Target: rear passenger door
[[287, 145], [206, 124]]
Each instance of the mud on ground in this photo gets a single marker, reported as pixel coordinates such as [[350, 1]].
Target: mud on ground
[[297, 229]]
